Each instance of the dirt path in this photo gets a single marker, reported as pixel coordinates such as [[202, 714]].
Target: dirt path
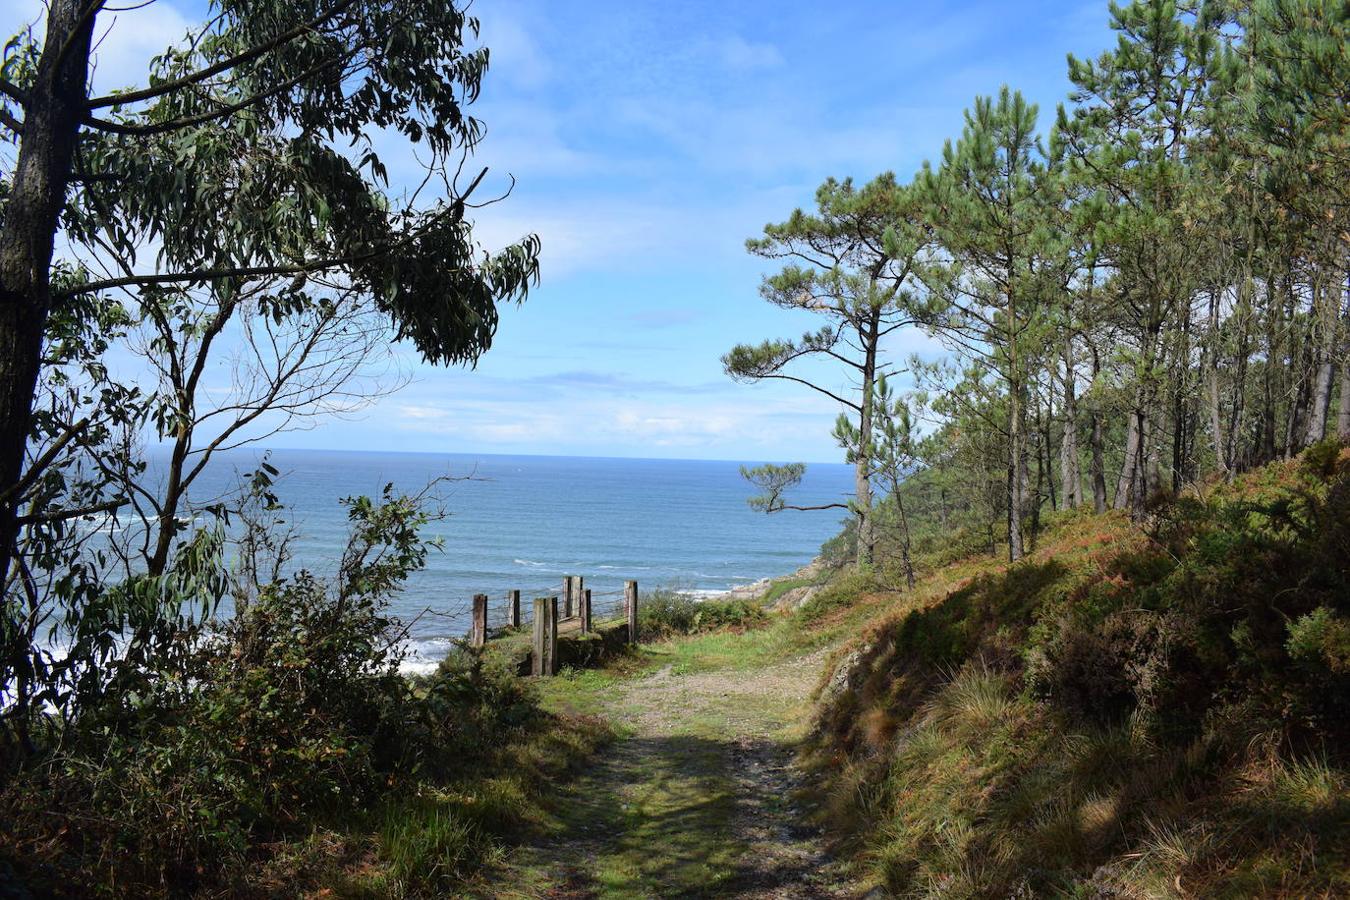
[[697, 800]]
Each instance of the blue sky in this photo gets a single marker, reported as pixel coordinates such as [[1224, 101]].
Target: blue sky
[[649, 139]]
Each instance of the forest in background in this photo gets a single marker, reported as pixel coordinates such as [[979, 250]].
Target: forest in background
[[1150, 291]]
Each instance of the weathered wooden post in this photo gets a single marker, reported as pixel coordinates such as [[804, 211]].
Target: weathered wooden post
[[630, 602], [478, 633], [578, 584], [545, 656], [513, 609], [568, 587], [585, 611]]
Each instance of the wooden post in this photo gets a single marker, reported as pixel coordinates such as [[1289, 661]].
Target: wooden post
[[545, 661], [478, 634], [568, 587], [585, 611], [630, 602], [513, 609]]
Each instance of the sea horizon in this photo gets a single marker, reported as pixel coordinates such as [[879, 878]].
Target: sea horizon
[[524, 521]]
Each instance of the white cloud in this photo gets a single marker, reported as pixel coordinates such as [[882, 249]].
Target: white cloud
[[125, 40], [515, 55], [128, 40], [422, 413], [571, 415], [736, 53]]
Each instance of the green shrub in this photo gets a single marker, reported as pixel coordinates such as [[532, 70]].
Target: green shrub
[[667, 613], [1321, 639], [842, 590], [292, 713]]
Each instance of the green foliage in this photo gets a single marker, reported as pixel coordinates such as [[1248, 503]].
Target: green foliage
[[292, 712], [841, 590], [1114, 713], [841, 549], [1321, 639], [772, 481], [665, 614], [854, 261]]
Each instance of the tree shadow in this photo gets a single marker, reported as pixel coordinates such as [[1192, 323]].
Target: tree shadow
[[671, 816]]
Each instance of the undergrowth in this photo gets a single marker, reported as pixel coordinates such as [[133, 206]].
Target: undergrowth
[[1155, 711], [666, 613]]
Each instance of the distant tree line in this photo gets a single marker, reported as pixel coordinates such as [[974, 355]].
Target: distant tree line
[[1155, 292]]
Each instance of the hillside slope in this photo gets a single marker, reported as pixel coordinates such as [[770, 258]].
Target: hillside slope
[[1155, 711]]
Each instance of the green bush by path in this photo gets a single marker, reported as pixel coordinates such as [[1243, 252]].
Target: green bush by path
[[285, 749], [667, 613]]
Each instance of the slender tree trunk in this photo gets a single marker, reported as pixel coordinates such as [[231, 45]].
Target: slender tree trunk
[[53, 111], [1324, 324], [1242, 319], [1017, 464], [1212, 395], [1343, 413], [1070, 478], [1097, 444], [905, 558], [1269, 388], [1124, 484], [1044, 482], [1138, 496], [1046, 473], [165, 524], [1296, 425], [862, 470]]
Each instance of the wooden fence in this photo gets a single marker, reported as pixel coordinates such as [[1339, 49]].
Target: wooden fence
[[582, 611]]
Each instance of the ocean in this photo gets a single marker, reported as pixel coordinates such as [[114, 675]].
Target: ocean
[[523, 522]]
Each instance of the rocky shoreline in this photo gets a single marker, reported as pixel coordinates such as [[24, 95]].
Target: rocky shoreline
[[791, 599]]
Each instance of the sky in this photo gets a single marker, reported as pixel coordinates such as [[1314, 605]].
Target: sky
[[648, 140]]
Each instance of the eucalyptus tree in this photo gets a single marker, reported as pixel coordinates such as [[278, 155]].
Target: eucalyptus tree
[[853, 262], [990, 203], [232, 369], [249, 152]]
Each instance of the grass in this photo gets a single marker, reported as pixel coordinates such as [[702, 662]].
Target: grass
[[778, 588], [428, 841], [951, 762], [956, 760]]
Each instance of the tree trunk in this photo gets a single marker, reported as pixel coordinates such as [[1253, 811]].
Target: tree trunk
[[1097, 445], [1343, 414], [1138, 494], [1125, 484], [1070, 476], [1211, 387], [1295, 428], [53, 112], [905, 557], [1269, 388], [862, 467], [1324, 321], [1017, 464]]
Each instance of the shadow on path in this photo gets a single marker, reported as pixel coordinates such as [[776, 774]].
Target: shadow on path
[[698, 802]]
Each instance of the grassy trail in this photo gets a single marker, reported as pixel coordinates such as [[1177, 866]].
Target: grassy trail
[[696, 798]]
